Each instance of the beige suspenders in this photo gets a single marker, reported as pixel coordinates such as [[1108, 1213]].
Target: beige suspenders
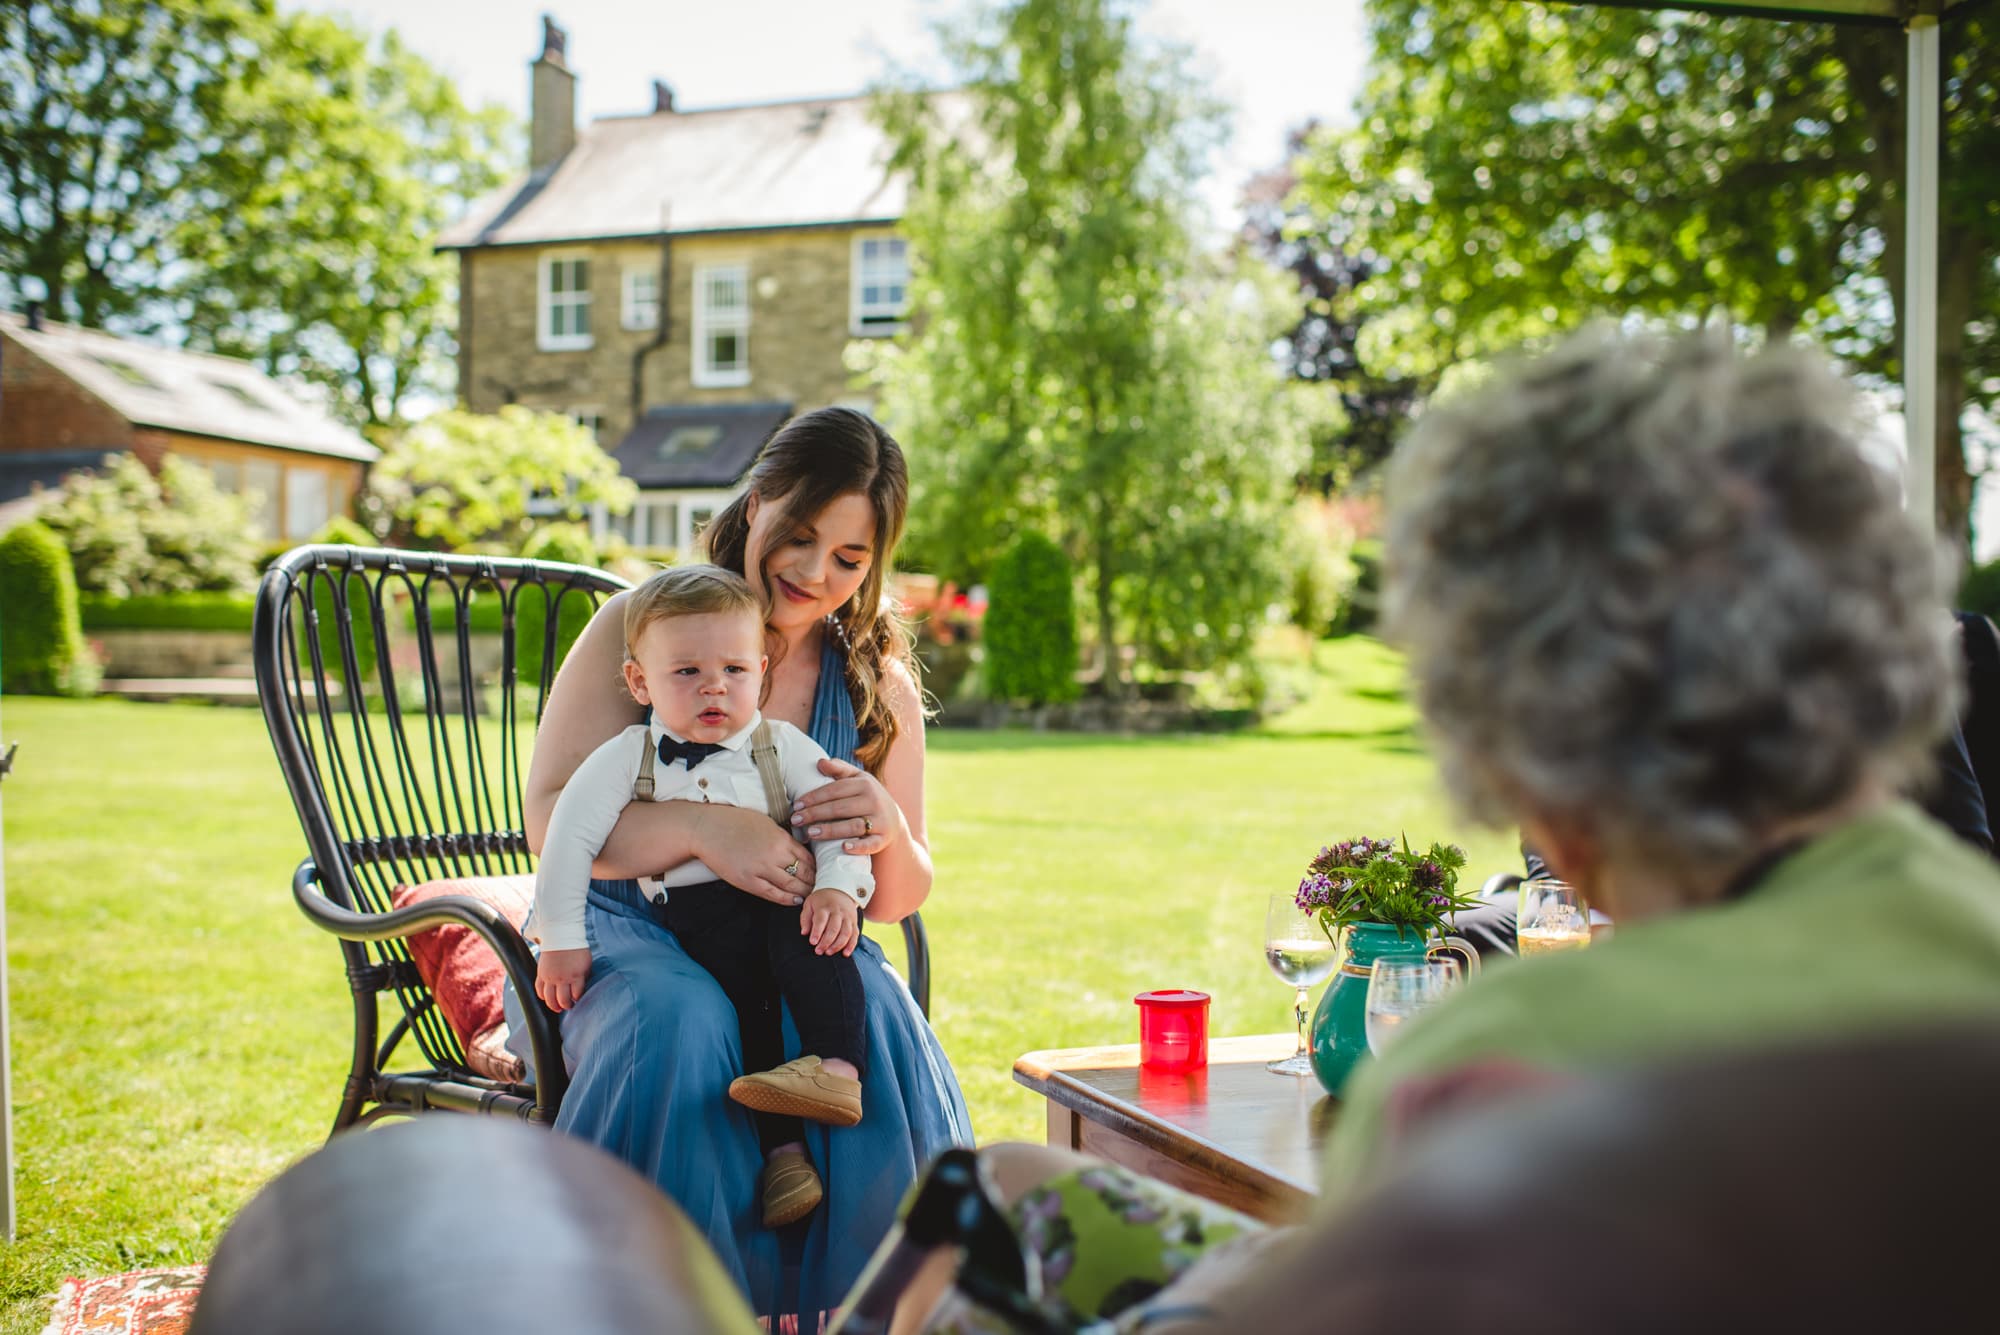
[[642, 786], [763, 752]]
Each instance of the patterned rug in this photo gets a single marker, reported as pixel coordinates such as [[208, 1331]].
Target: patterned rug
[[140, 1302]]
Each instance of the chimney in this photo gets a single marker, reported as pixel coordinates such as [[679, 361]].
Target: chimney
[[551, 101], [663, 96]]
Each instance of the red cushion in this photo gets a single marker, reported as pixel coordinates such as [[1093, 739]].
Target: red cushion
[[460, 968]]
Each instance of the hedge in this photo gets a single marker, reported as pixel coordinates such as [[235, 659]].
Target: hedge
[[168, 611]]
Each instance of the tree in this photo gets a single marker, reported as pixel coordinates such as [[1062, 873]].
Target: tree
[[1520, 168], [107, 111], [1323, 348], [265, 184], [131, 533], [1066, 343], [353, 157], [459, 478]]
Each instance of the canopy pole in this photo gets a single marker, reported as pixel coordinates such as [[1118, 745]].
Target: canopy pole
[[6, 1092], [1920, 266]]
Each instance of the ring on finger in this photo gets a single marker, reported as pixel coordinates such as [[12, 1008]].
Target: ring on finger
[[792, 867], [867, 825]]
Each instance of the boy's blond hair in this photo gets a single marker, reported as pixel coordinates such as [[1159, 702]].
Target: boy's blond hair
[[686, 591]]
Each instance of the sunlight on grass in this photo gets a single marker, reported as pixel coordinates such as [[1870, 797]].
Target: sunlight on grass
[[180, 1032]]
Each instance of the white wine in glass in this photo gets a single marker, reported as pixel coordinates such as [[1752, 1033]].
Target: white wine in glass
[[1299, 951], [1553, 917]]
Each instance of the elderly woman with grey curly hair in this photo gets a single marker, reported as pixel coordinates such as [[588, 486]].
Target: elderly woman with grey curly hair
[[1662, 614]]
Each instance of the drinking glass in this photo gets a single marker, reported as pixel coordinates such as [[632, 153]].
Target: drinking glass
[[1553, 917], [1398, 989], [1300, 952]]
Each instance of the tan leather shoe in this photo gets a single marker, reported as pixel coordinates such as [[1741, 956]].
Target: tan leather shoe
[[801, 1088], [791, 1188]]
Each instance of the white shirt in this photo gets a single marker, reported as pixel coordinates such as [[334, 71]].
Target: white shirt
[[602, 787]]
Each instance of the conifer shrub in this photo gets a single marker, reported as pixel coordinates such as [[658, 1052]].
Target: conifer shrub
[[1030, 628], [42, 649]]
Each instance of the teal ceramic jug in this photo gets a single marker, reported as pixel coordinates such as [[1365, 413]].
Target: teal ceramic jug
[[1339, 1026]]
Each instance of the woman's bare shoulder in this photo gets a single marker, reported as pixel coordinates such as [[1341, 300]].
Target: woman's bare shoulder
[[588, 702]]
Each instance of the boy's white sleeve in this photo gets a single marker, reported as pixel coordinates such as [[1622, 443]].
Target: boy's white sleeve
[[853, 874], [589, 806]]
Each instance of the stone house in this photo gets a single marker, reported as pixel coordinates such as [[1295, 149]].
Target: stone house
[[69, 396], [681, 281]]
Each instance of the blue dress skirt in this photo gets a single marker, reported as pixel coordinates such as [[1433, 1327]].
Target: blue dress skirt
[[652, 1046]]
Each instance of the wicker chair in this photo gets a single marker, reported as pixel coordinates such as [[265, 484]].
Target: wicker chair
[[401, 690]]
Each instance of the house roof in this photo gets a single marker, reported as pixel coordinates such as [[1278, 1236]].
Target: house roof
[[697, 445], [781, 164], [178, 390]]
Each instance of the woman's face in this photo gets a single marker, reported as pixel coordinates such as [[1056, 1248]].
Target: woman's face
[[817, 567]]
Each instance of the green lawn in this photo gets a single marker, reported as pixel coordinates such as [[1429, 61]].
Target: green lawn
[[179, 1031]]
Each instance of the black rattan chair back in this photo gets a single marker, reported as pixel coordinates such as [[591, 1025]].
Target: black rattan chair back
[[402, 690]]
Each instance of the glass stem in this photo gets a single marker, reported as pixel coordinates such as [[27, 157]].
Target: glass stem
[[1299, 1014]]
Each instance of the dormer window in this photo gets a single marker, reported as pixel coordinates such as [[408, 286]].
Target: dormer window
[[563, 316], [721, 325], [881, 298]]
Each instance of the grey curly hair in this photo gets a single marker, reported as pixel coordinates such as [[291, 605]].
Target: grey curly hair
[[1655, 582]]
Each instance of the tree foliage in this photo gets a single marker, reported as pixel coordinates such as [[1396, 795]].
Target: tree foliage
[[268, 184], [1323, 348], [353, 155], [131, 533], [1519, 167], [1073, 368], [457, 479], [107, 113]]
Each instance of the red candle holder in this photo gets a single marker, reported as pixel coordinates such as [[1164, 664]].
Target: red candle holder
[[1173, 1029]]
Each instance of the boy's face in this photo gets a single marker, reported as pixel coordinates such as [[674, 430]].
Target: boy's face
[[701, 674]]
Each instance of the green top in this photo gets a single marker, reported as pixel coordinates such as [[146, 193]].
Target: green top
[[1888, 919]]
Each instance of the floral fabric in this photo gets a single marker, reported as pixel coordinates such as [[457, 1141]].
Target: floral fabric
[[1107, 1240]]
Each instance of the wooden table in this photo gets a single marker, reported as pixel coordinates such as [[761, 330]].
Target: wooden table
[[1233, 1131]]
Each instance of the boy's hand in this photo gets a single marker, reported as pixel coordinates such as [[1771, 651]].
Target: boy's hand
[[832, 920], [560, 976]]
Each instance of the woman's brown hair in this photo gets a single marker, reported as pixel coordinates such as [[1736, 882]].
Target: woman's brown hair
[[808, 463]]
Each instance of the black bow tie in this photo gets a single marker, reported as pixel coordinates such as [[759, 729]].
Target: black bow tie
[[692, 752]]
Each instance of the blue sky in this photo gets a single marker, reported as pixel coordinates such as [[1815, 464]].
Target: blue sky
[[1275, 63]]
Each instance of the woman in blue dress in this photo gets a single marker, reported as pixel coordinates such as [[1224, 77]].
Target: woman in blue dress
[[652, 1044]]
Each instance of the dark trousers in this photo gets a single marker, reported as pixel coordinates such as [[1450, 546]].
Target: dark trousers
[[755, 950]]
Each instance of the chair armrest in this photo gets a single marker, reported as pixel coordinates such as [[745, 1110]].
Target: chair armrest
[[544, 1035], [1499, 883]]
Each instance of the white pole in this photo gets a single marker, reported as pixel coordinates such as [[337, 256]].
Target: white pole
[[6, 1093], [1920, 268]]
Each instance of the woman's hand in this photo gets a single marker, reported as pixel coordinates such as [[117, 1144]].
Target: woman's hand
[[855, 807], [744, 848]]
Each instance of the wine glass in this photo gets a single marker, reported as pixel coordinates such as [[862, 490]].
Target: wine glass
[[1398, 989], [1300, 952], [1553, 917]]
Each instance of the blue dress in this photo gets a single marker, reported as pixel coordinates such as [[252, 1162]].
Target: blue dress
[[652, 1047]]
